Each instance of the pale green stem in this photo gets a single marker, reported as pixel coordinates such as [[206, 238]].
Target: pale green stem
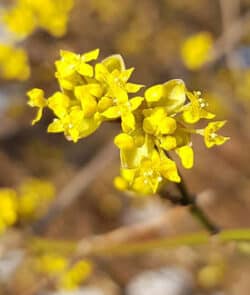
[[193, 239]]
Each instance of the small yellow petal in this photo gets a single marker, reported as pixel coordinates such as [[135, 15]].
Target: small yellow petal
[[120, 94], [104, 103], [59, 103], [126, 74], [36, 98], [92, 88], [168, 142], [174, 92], [186, 155], [154, 93], [135, 102], [89, 105], [191, 116], [128, 122], [85, 70], [124, 141], [114, 62], [211, 138], [112, 113], [91, 55], [167, 125], [56, 126], [120, 183], [38, 116]]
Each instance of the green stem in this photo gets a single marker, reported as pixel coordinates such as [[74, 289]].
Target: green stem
[[192, 239]]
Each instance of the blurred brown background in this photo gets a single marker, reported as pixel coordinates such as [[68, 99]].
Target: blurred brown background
[[149, 35]]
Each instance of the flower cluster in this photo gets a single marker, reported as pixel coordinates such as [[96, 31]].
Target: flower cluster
[[34, 197], [152, 125], [196, 50], [26, 203], [13, 63], [89, 95], [26, 16], [70, 277], [8, 208]]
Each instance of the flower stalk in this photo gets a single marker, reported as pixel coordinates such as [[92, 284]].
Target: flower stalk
[[187, 199]]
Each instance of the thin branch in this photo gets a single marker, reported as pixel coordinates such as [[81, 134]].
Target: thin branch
[[106, 245], [187, 199], [230, 10], [195, 210], [123, 234], [230, 37], [76, 186]]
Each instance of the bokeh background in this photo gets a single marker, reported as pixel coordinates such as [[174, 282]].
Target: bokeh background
[[150, 35]]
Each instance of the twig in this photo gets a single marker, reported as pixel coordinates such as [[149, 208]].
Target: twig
[[230, 10], [76, 186], [103, 245], [195, 210], [88, 246], [187, 199], [230, 37]]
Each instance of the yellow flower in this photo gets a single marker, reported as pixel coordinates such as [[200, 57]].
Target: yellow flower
[[107, 74], [25, 16], [211, 137], [151, 173], [170, 95], [13, 63], [168, 142], [114, 62], [113, 75], [74, 124], [80, 272], [8, 208], [151, 125], [59, 104], [36, 99], [179, 142], [158, 123], [186, 155], [123, 108], [124, 141], [140, 147], [34, 197], [54, 15], [116, 103], [120, 183], [196, 109], [196, 50], [72, 66], [88, 95], [51, 264], [20, 20]]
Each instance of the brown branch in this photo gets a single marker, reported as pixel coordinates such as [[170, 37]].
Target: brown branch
[[230, 37], [98, 243], [76, 186]]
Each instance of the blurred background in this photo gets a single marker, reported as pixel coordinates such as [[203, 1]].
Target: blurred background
[[66, 189]]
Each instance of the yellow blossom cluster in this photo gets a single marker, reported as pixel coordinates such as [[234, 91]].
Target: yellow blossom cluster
[[8, 208], [34, 196], [196, 50], [160, 121], [26, 203], [22, 19], [25, 16], [57, 265], [13, 63]]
